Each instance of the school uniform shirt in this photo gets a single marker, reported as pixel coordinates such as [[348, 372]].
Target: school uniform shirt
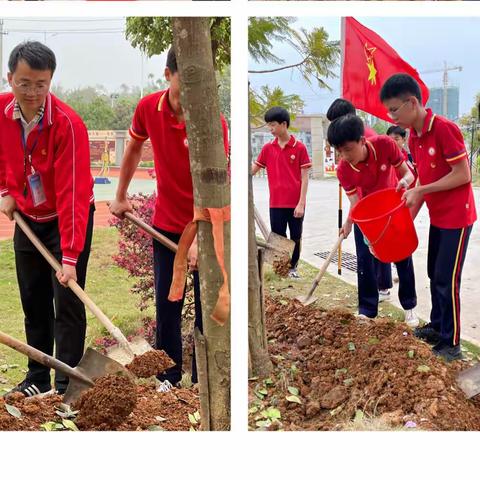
[[376, 172], [284, 170], [411, 166], [154, 119], [439, 146], [60, 153]]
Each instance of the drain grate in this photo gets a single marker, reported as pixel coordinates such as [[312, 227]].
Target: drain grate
[[349, 261]]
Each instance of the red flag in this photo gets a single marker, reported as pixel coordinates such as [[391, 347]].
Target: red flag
[[368, 61]]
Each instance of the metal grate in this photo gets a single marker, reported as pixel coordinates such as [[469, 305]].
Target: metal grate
[[349, 261]]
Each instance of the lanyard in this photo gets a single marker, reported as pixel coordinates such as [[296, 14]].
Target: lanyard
[[27, 155]]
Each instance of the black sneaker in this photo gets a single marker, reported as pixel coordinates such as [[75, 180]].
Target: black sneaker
[[427, 333], [30, 389], [447, 352]]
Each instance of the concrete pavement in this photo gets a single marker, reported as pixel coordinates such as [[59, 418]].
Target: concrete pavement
[[319, 234]]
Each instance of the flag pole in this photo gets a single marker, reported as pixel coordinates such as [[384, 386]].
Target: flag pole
[[340, 206]]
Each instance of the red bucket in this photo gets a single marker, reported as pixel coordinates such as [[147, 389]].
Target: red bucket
[[387, 224]]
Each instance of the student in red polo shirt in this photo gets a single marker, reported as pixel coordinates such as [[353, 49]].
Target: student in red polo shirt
[[160, 117], [339, 108], [367, 166], [399, 134], [287, 163], [45, 176], [444, 184]]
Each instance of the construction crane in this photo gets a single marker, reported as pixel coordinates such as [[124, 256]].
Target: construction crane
[[445, 71]]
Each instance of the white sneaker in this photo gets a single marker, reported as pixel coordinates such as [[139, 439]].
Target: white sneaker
[[411, 318], [293, 273], [164, 386], [363, 318], [383, 295]]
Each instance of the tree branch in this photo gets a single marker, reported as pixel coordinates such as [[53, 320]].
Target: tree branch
[[281, 68]]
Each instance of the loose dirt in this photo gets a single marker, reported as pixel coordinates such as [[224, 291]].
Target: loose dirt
[[281, 266], [345, 370], [150, 363]]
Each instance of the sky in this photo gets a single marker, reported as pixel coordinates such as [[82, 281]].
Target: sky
[[89, 51], [425, 43]]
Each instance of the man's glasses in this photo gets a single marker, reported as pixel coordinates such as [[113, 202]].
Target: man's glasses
[[393, 113], [27, 88]]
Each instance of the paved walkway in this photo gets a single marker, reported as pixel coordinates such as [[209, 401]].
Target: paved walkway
[[320, 230]]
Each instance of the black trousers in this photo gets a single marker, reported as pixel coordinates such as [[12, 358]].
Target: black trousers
[[280, 218], [384, 275], [54, 316], [169, 314], [368, 284], [446, 255]]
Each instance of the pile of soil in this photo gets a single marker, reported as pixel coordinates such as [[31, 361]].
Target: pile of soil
[[152, 411], [150, 363], [281, 266], [342, 367], [107, 404]]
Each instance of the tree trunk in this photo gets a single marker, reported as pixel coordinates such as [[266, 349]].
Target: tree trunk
[[259, 360], [211, 190]]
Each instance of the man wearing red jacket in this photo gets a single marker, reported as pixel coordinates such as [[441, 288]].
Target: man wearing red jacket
[[45, 176]]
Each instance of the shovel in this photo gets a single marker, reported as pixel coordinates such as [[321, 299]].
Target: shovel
[[277, 248], [309, 298], [469, 381], [92, 365], [125, 352]]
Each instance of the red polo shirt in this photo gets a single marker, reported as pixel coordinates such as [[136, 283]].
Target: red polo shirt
[[60, 153], [155, 119], [439, 146], [376, 172], [284, 170]]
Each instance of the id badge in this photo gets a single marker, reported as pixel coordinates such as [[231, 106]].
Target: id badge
[[36, 189]]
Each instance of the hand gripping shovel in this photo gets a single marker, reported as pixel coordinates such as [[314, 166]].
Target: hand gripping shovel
[[125, 351], [92, 365], [277, 248], [309, 298]]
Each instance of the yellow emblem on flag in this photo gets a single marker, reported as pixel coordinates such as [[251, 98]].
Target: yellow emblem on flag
[[372, 71]]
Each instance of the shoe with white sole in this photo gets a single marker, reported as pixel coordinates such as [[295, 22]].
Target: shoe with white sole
[[411, 318], [30, 389], [164, 386], [293, 273], [383, 295]]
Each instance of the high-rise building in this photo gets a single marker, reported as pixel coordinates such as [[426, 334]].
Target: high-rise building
[[436, 102]]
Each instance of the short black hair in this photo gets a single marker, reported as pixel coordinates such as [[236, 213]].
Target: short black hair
[[35, 54], [339, 108], [348, 128], [277, 114], [399, 86], [171, 60], [396, 130]]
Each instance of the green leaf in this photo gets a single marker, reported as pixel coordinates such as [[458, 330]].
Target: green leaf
[[191, 429], [263, 423], [340, 371], [359, 416], [423, 368], [351, 346], [273, 413], [294, 369], [58, 426], [293, 390], [411, 353], [196, 415], [192, 419], [293, 399], [267, 382], [13, 411], [263, 391], [253, 410], [48, 427], [259, 395], [373, 341], [70, 425], [348, 381], [156, 428]]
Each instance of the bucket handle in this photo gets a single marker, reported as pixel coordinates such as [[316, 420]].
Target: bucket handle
[[382, 232]]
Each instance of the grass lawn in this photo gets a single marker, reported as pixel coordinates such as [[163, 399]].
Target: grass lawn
[[107, 285], [331, 292]]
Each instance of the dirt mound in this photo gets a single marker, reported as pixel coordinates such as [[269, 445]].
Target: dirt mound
[[343, 370], [150, 363], [107, 404], [281, 266]]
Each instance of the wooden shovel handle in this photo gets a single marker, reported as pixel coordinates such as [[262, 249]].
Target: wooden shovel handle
[[73, 285], [42, 358], [324, 267], [261, 224], [151, 231]]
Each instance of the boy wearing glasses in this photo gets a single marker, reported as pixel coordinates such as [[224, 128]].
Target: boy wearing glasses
[[45, 177], [367, 166], [444, 184]]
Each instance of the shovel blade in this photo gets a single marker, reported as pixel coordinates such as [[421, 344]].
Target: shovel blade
[[138, 345], [92, 365], [278, 248], [469, 381], [306, 300]]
